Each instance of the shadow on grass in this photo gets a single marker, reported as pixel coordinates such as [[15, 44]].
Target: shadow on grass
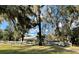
[[61, 50], [50, 50]]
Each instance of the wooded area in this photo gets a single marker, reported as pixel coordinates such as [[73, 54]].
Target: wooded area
[[63, 19]]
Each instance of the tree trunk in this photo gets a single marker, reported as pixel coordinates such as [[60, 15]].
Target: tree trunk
[[22, 37], [40, 38]]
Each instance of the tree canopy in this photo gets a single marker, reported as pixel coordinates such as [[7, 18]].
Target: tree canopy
[[21, 18]]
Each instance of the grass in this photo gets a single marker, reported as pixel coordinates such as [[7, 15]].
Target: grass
[[29, 49]]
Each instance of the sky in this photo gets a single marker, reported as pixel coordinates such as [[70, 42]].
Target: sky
[[3, 25]]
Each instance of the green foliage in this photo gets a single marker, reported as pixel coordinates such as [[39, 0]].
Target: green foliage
[[19, 16]]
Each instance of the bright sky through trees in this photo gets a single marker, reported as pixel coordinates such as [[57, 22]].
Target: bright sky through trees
[[4, 25], [32, 31]]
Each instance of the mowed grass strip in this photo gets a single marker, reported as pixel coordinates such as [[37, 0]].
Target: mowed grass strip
[[29, 49]]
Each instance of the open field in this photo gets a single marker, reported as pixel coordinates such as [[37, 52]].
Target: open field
[[29, 49]]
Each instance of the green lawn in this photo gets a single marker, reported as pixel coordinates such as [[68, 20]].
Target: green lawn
[[28, 49]]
